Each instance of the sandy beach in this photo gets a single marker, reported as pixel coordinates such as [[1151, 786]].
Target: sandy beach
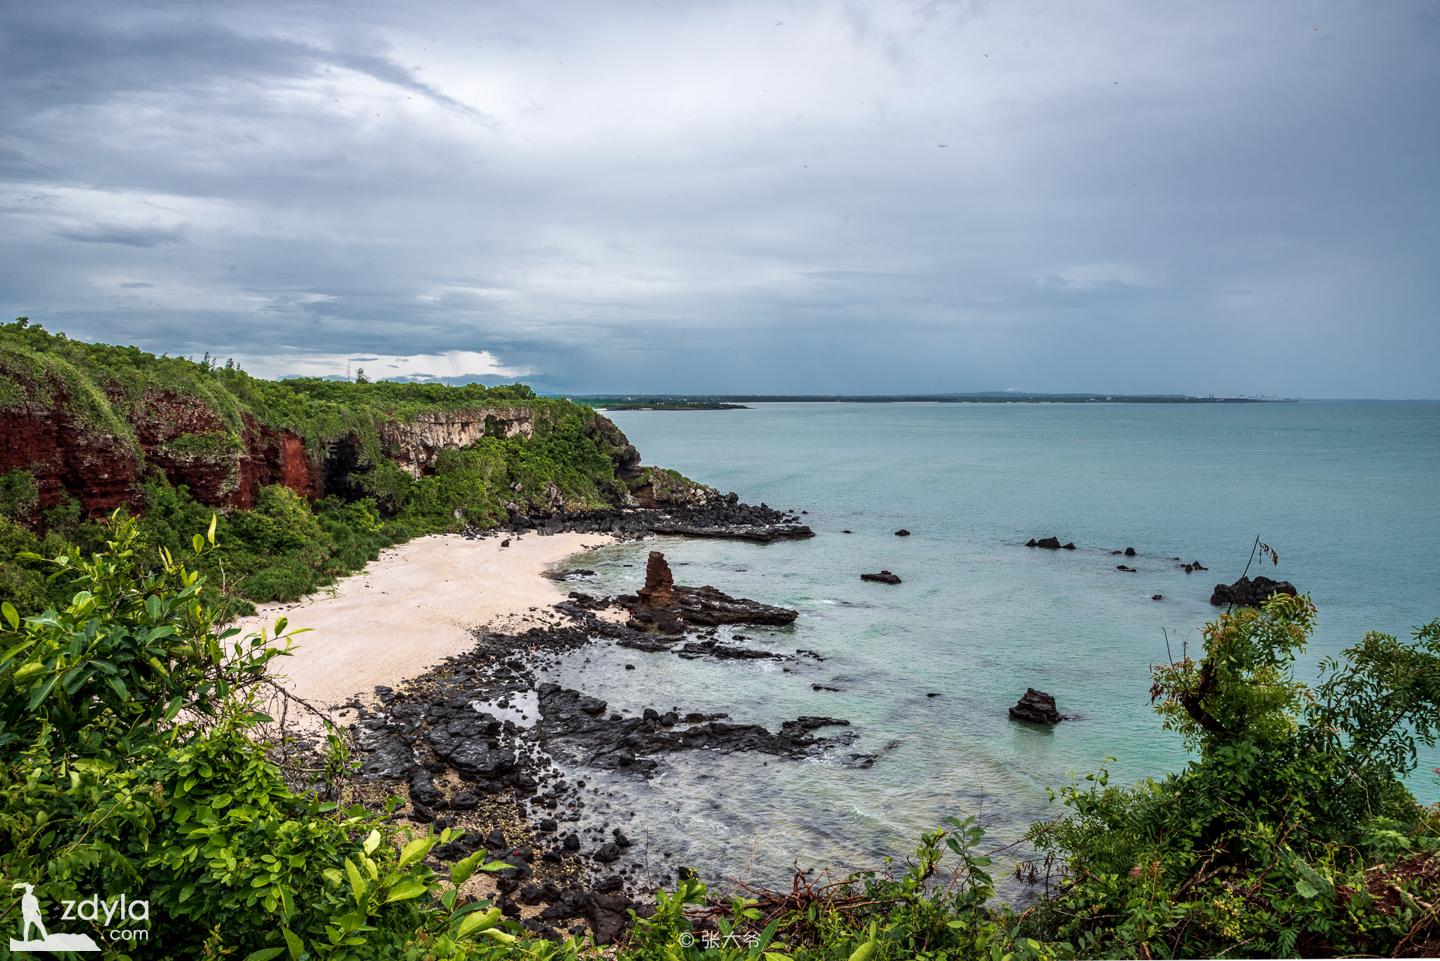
[[411, 608]]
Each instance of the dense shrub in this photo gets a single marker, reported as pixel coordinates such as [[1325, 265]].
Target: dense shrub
[[131, 760], [1285, 833]]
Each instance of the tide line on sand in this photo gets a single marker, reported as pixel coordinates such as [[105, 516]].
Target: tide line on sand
[[411, 608]]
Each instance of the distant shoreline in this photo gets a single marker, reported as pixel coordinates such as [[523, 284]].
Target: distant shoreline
[[671, 405], [740, 401]]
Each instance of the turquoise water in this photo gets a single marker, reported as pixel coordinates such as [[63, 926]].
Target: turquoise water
[[1347, 493]]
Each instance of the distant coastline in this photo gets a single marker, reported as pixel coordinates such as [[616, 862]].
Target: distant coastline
[[602, 405], [740, 401]]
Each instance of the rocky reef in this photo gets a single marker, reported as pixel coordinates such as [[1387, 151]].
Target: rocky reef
[[486, 743], [1250, 592], [1036, 707], [665, 607]]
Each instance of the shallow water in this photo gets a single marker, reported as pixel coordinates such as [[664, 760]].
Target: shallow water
[[1347, 493]]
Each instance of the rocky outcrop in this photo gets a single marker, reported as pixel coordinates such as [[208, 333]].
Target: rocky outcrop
[[416, 443], [101, 467], [1248, 592], [1049, 543], [66, 456], [632, 743], [663, 606], [1036, 707], [883, 577]]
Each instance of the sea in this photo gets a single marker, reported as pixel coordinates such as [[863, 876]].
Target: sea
[[1346, 493]]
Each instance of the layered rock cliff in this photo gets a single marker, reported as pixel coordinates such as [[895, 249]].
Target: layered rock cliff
[[92, 423]]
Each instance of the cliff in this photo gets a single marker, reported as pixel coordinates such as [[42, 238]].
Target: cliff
[[95, 424]]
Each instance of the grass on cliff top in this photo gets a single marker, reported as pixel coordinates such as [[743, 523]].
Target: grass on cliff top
[[286, 547], [109, 388]]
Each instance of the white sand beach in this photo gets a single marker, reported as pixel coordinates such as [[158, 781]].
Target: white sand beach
[[413, 607]]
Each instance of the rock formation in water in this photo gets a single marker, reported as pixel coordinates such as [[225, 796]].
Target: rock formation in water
[[1250, 592], [882, 577], [663, 606], [1036, 707]]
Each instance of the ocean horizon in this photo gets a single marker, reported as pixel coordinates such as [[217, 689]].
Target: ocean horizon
[[925, 670]]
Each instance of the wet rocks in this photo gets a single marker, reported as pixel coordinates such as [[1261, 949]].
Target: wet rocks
[[667, 608], [1248, 592], [716, 517], [1129, 552], [725, 652], [1036, 707], [902, 532], [1125, 567], [631, 743], [1194, 566], [1049, 543], [883, 577]]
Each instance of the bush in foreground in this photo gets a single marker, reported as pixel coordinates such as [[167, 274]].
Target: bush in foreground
[[132, 762]]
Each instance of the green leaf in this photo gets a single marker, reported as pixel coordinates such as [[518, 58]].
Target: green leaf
[[405, 890], [12, 616], [198, 543], [210, 534], [41, 692], [372, 841], [863, 952], [415, 850], [461, 870], [264, 954], [1305, 889], [475, 923], [296, 946], [357, 883]]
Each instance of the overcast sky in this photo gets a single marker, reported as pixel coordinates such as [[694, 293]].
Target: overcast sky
[[734, 197]]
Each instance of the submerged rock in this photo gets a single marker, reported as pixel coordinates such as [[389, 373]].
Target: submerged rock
[[1248, 592], [1050, 544], [884, 577], [1036, 707]]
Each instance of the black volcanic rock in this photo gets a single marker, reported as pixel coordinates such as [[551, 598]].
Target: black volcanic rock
[[663, 606], [1249, 592], [884, 577], [1036, 707], [1049, 543], [902, 532], [630, 743]]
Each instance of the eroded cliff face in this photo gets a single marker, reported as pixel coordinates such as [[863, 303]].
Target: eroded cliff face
[[179, 437], [414, 445], [99, 469], [183, 438]]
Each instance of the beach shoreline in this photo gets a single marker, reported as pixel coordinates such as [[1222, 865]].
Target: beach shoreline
[[414, 606]]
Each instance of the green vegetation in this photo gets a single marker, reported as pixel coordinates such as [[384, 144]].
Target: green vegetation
[[131, 410], [134, 761]]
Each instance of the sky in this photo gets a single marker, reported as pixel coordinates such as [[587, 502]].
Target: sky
[[1221, 197]]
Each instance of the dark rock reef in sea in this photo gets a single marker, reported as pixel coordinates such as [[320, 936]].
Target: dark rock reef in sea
[[1050, 543], [722, 517], [1036, 707], [1250, 592], [667, 608], [485, 743], [882, 577]]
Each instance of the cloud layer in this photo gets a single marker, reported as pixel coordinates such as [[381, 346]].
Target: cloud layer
[[735, 197]]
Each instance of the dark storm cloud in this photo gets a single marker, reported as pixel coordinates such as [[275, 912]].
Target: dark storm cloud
[[736, 197]]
